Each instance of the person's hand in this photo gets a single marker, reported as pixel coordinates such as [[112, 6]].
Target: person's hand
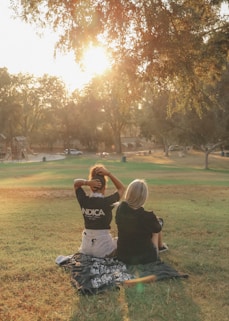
[[100, 170], [95, 183]]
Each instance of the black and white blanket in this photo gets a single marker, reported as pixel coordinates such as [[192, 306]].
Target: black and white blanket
[[91, 275]]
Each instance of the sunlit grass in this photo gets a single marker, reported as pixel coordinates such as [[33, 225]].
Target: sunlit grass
[[40, 219], [61, 173]]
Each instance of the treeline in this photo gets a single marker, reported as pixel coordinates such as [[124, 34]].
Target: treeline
[[111, 106], [169, 80]]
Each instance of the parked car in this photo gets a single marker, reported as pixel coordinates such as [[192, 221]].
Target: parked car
[[72, 151], [175, 148], [102, 154]]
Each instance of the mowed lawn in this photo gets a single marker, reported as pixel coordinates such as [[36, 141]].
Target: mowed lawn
[[40, 219]]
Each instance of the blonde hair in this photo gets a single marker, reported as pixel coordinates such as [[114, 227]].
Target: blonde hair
[[136, 193], [93, 175]]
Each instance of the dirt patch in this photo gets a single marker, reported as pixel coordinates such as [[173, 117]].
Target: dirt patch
[[41, 157], [194, 159], [38, 193], [161, 192]]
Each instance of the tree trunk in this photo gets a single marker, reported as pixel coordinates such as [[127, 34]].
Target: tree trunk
[[118, 143], [166, 147], [206, 159]]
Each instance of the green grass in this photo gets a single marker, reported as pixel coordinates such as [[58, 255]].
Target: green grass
[[40, 219], [61, 173]]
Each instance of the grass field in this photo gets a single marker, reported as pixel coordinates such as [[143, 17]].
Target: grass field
[[40, 219]]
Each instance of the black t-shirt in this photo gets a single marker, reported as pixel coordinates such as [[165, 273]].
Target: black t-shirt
[[135, 229], [97, 211]]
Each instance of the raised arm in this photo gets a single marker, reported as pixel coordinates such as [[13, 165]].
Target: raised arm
[[117, 183], [79, 182]]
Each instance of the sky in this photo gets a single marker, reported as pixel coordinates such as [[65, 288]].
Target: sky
[[22, 50]]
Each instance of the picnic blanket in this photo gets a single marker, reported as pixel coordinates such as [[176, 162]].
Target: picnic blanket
[[91, 275]]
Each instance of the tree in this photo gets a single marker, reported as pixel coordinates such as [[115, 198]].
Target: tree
[[117, 94], [222, 94], [50, 96], [10, 110], [210, 129], [206, 130], [154, 121], [35, 95], [181, 45], [5, 79], [89, 119], [26, 104]]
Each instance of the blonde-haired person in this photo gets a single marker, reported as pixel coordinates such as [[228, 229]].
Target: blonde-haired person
[[97, 211], [139, 231]]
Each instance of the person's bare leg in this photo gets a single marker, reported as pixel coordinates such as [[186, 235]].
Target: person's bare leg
[[155, 238], [162, 247], [160, 243]]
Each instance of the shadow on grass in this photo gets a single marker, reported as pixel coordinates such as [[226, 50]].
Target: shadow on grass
[[164, 300]]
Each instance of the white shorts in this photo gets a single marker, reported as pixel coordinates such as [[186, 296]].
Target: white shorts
[[98, 243]]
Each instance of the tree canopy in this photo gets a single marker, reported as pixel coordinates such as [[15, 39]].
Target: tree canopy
[[179, 44], [170, 68]]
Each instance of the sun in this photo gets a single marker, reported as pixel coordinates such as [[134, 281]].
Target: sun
[[95, 61]]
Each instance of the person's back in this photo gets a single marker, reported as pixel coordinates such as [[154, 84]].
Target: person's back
[[96, 209], [97, 212], [135, 228]]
